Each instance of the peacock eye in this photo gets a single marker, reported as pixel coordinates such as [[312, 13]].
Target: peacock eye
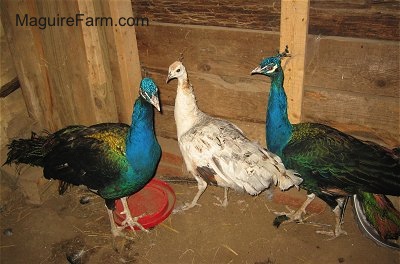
[[178, 70]]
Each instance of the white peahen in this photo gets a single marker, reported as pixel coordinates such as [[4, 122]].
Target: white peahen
[[217, 152]]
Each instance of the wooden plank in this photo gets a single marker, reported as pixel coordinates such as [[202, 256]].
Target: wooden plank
[[370, 20], [354, 18], [9, 87], [294, 30], [27, 53], [80, 89], [263, 15], [376, 118], [212, 50], [356, 65], [95, 46], [123, 57], [7, 72]]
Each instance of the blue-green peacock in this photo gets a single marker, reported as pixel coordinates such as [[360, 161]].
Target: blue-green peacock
[[113, 160], [333, 165]]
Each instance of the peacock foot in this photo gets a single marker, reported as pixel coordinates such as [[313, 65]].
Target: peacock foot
[[333, 233], [133, 221], [338, 225], [129, 220], [117, 232], [294, 216], [291, 216]]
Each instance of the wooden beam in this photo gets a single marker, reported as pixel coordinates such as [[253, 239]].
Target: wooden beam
[[378, 19], [124, 58], [9, 87], [294, 29]]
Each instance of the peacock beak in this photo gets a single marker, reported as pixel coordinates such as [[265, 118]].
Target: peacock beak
[[256, 70], [169, 77], [154, 101]]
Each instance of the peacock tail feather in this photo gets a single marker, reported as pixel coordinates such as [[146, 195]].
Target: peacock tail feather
[[381, 214], [29, 151]]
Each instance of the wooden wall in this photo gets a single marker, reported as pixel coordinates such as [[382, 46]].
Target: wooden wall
[[375, 19], [74, 74], [351, 74]]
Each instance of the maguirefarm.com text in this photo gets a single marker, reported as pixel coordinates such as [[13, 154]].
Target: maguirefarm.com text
[[70, 21]]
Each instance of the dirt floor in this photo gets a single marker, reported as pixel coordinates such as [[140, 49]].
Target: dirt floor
[[63, 228]]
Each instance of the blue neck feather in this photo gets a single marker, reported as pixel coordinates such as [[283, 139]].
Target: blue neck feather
[[278, 127], [141, 137]]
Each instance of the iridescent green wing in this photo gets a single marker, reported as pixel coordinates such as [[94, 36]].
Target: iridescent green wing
[[93, 156], [333, 161]]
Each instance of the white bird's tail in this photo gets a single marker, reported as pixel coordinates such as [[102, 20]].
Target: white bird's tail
[[286, 178]]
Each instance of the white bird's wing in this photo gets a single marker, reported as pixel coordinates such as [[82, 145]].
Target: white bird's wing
[[220, 153]]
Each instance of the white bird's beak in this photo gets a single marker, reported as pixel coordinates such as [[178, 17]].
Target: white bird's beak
[[169, 77]]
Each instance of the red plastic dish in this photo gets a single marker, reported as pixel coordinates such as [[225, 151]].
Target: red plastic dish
[[156, 201]]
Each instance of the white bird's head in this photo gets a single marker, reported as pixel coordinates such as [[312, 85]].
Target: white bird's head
[[176, 70]]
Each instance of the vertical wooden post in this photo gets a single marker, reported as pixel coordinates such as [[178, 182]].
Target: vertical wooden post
[[124, 58], [294, 29]]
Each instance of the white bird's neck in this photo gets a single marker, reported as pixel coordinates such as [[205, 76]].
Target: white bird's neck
[[186, 112]]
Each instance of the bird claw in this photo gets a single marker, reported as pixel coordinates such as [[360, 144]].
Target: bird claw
[[117, 232], [294, 216], [291, 212], [185, 207], [333, 233], [222, 203], [133, 221]]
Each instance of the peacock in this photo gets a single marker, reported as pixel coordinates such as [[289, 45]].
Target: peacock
[[114, 160], [217, 152], [333, 165]]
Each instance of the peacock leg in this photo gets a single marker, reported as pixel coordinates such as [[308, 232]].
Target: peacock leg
[[115, 230], [338, 211], [202, 186], [297, 216], [223, 203], [129, 220]]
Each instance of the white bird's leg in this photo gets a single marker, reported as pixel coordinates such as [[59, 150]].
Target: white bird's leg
[[298, 215], [202, 186], [129, 220], [338, 211], [223, 203]]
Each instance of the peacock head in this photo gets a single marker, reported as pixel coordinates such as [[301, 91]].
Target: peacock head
[[149, 91], [176, 70], [271, 66]]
